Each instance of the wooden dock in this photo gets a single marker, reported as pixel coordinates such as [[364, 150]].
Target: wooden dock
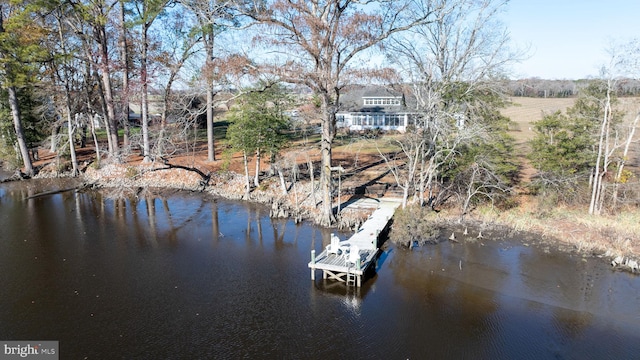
[[347, 261]]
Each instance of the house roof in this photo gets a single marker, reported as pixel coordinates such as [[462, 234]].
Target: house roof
[[352, 100]]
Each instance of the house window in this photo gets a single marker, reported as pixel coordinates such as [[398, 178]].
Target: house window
[[359, 119], [393, 120], [383, 100]]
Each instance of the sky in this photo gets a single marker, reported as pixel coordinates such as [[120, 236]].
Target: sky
[[568, 39]]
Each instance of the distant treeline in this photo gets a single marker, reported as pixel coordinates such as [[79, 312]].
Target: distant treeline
[[541, 88]]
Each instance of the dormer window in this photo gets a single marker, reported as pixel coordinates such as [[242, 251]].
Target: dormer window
[[388, 100]]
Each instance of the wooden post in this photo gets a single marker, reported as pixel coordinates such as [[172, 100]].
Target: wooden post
[[313, 261], [359, 276]]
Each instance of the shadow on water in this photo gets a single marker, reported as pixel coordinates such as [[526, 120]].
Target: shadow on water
[[339, 289], [384, 255]]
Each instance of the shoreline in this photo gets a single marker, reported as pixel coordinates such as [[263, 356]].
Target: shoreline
[[565, 229]]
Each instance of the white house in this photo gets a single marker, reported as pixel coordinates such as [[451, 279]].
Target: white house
[[375, 107]]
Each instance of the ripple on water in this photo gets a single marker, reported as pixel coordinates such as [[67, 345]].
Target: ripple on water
[[221, 280]]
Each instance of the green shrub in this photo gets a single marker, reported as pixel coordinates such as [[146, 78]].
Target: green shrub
[[8, 156], [227, 156], [414, 224], [132, 172]]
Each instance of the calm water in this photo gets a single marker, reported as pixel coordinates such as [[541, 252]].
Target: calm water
[[187, 277]]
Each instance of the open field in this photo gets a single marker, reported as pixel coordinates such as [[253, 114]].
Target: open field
[[524, 111]]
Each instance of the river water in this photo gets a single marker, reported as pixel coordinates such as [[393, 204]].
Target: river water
[[185, 276]]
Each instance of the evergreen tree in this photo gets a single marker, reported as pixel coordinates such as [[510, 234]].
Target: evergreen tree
[[20, 53], [564, 149], [561, 146], [484, 167], [258, 125]]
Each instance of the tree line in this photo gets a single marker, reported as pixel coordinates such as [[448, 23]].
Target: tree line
[[542, 88], [70, 67]]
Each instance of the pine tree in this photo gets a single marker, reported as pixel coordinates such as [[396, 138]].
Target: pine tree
[[258, 125], [20, 53]]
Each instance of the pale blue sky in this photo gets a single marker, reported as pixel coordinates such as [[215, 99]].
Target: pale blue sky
[[568, 38]]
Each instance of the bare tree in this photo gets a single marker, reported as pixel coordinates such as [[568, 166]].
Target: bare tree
[[480, 180], [603, 157], [125, 63], [179, 46], [622, 161], [319, 44], [214, 16], [454, 65], [63, 70], [100, 34], [632, 66], [147, 12], [405, 164], [624, 61], [89, 22]]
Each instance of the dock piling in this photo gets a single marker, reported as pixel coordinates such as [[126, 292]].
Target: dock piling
[[313, 261]]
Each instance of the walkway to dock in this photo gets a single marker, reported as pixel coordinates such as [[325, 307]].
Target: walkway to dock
[[347, 261]]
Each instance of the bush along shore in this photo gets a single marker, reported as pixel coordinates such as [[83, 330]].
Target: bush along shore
[[612, 238]]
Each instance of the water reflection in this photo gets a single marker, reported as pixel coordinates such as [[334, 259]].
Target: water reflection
[[141, 276], [510, 293]]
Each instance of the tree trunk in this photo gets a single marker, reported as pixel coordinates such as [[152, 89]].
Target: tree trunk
[[328, 134], [55, 129], [165, 101], [83, 134], [623, 160], [256, 179], [145, 95], [283, 184], [246, 174], [95, 139], [67, 105], [124, 55], [17, 125], [312, 178], [470, 194], [165, 107], [111, 121], [596, 190], [405, 195], [54, 134], [211, 153], [423, 179], [89, 74], [606, 159], [72, 146]]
